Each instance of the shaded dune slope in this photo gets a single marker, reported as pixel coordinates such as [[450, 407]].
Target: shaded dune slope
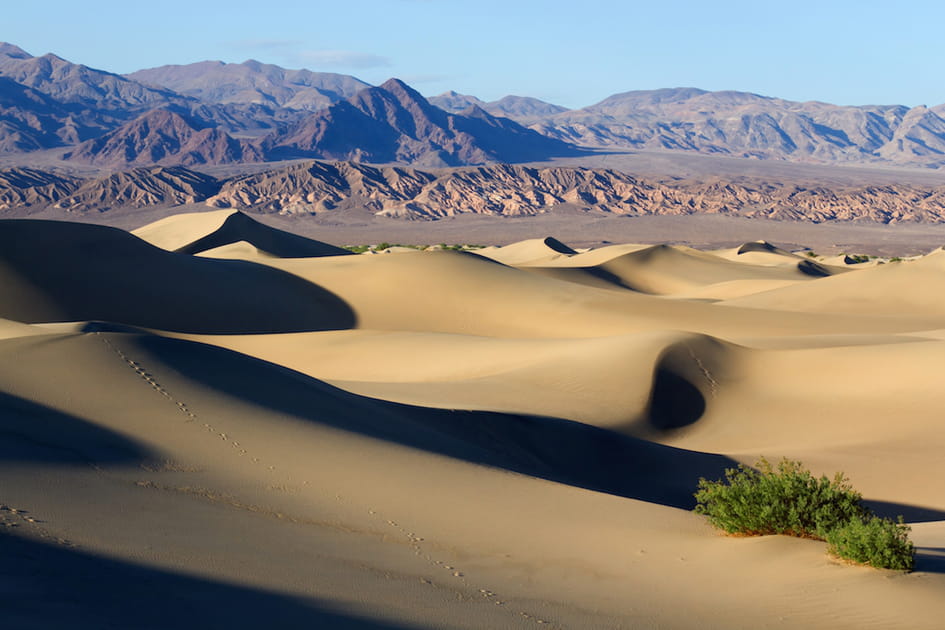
[[639, 385], [531, 445], [200, 232], [51, 271], [79, 583]]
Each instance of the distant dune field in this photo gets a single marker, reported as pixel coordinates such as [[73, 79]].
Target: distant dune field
[[209, 422]]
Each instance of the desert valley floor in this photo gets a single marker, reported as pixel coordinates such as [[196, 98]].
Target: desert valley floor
[[207, 422]]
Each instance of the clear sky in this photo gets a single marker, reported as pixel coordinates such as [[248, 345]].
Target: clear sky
[[573, 52]]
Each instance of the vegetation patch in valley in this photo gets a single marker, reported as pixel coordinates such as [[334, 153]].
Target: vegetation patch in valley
[[362, 249]]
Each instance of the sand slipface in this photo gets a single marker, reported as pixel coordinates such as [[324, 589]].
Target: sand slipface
[[213, 422]]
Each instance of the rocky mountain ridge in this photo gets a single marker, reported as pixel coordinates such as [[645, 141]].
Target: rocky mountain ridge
[[394, 123], [263, 112], [523, 109], [165, 138], [316, 188], [748, 125], [253, 82], [389, 123]]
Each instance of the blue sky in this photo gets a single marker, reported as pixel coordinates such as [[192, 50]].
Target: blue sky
[[572, 53]]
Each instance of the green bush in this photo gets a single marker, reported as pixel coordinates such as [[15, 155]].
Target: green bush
[[879, 542], [789, 500]]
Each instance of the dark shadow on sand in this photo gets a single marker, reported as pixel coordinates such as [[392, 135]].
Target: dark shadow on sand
[[911, 513], [930, 559], [51, 586], [240, 227], [555, 449], [674, 401], [79, 272], [36, 433]]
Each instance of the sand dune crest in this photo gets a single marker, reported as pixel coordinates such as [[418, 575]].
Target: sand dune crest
[[198, 232]]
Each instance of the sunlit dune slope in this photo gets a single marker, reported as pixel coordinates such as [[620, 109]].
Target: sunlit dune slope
[[890, 290], [465, 293], [668, 270]]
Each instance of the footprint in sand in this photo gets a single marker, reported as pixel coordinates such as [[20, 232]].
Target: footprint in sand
[[181, 405]]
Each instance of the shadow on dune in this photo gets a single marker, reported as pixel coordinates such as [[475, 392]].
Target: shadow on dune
[[590, 276], [33, 432], [911, 513], [674, 401], [555, 449], [551, 448], [53, 271], [47, 586], [811, 268], [239, 227], [930, 559]]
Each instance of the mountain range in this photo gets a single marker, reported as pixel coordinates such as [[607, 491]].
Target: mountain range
[[317, 187], [238, 113], [212, 113]]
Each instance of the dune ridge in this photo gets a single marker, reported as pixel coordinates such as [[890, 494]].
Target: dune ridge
[[245, 418]]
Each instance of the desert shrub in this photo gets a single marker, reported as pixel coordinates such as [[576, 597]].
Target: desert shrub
[[784, 500], [878, 542], [459, 248], [360, 249], [789, 500]]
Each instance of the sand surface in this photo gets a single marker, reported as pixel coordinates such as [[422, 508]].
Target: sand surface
[[211, 423]]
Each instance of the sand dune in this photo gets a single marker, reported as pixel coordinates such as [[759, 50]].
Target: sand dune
[[198, 232], [223, 425], [534, 251], [464, 293], [667, 270], [880, 290], [51, 271]]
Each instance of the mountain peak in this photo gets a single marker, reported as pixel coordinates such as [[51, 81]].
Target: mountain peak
[[54, 57], [395, 85], [408, 97], [13, 51], [453, 101], [395, 123]]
